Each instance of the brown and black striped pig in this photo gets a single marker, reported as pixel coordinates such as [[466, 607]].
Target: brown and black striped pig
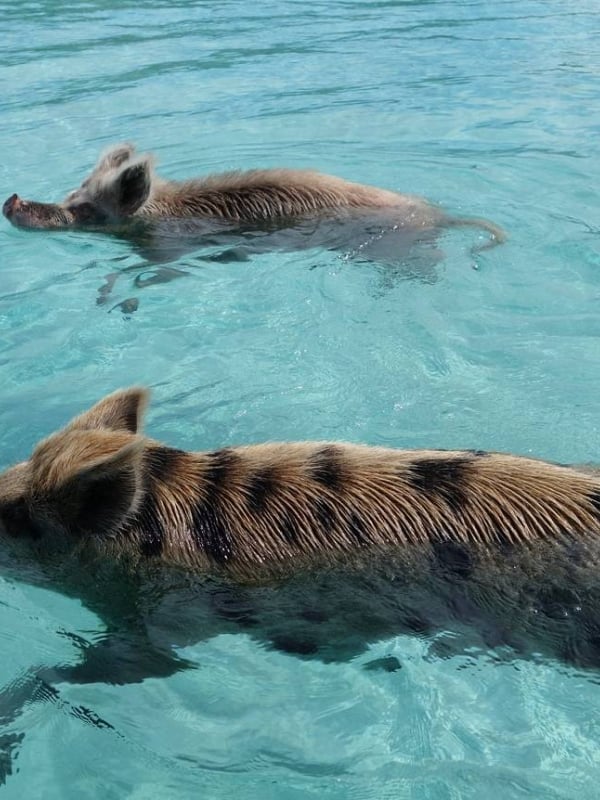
[[316, 548]]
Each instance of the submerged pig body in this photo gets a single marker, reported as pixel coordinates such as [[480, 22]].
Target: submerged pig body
[[451, 540], [123, 193]]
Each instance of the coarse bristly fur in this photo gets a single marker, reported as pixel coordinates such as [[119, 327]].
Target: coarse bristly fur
[[267, 511], [314, 549], [123, 188]]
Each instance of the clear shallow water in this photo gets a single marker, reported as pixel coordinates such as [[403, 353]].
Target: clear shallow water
[[489, 108]]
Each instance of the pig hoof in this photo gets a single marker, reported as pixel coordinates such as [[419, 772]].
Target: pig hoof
[[159, 275], [127, 306], [387, 664]]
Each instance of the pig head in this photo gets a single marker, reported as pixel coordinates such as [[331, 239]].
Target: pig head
[[116, 188]]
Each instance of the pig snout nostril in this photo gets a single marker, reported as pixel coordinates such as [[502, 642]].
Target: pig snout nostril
[[11, 204]]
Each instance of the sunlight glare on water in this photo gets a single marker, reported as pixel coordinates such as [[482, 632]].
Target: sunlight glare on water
[[490, 109]]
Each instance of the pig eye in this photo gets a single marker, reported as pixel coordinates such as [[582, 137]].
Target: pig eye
[[86, 212]]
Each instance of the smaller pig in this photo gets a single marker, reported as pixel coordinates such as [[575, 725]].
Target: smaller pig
[[124, 195]]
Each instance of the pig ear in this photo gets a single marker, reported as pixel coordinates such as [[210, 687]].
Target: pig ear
[[91, 479], [132, 186], [115, 157], [121, 411]]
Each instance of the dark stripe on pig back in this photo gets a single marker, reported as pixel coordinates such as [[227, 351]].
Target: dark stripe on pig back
[[163, 462], [160, 463], [325, 467], [210, 529], [260, 487], [442, 479]]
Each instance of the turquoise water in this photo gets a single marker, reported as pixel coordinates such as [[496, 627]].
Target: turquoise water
[[488, 108]]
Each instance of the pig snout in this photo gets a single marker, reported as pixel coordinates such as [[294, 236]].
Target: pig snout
[[30, 214], [11, 205]]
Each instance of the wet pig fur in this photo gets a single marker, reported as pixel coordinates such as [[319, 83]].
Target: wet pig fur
[[318, 549], [248, 212]]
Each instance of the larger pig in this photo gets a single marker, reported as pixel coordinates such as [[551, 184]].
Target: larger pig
[[316, 549], [370, 541]]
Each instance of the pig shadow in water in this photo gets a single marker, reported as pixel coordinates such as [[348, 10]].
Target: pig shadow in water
[[397, 255], [332, 617], [316, 550], [235, 215]]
